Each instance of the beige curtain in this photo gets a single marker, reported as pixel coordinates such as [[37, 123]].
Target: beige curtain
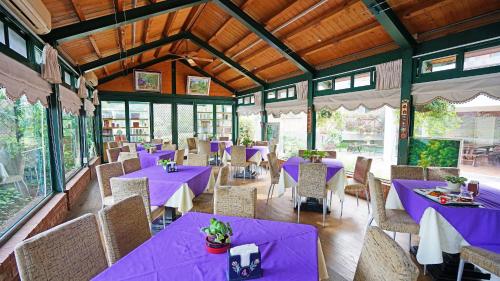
[[89, 107], [51, 71], [70, 101], [95, 97], [82, 89], [302, 90], [388, 75]]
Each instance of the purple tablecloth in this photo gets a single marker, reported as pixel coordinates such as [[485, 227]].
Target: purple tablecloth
[[291, 166], [214, 145], [288, 252], [249, 150], [264, 150], [478, 226], [140, 147], [163, 185], [148, 159]]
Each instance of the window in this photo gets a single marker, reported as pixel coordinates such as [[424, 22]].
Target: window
[[113, 121], [90, 137], [325, 85], [240, 101], [360, 132], [362, 79], [139, 121], [482, 58], [252, 99], [271, 95], [24, 159], [2, 33], [282, 94], [291, 92], [343, 83], [38, 56], [205, 121], [247, 100], [185, 121], [71, 144], [67, 78], [17, 43], [476, 123], [439, 64], [292, 133], [224, 120], [162, 116], [249, 126]]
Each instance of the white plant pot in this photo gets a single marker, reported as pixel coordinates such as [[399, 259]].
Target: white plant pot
[[453, 186]]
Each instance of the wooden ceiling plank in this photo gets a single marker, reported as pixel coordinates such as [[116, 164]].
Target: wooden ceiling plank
[[94, 45], [420, 8], [188, 23], [239, 77], [166, 29], [78, 10], [269, 65]]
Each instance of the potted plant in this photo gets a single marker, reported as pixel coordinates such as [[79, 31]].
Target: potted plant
[[246, 141], [218, 238], [454, 182], [314, 156], [149, 148]]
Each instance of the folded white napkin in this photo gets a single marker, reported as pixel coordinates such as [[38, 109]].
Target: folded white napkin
[[244, 252]]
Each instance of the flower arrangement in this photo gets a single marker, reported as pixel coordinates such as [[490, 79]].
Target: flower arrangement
[[246, 141], [168, 165], [218, 236], [455, 182], [314, 155]]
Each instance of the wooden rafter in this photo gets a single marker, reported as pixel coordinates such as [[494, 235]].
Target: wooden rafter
[[420, 7], [269, 65], [188, 23], [239, 77], [166, 29], [121, 32], [78, 9]]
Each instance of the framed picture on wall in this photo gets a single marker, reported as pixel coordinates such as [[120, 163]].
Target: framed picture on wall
[[147, 81], [198, 85]]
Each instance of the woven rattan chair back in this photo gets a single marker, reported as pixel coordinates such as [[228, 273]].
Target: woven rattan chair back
[[301, 152], [179, 157], [132, 146], [274, 168], [439, 173], [131, 165], [127, 155], [104, 173], [331, 154], [113, 154], [168, 147], [124, 227], [239, 201], [221, 147], [204, 147], [157, 141], [405, 172], [224, 138], [238, 155], [223, 176], [197, 159], [377, 199], [112, 144], [312, 180], [362, 169], [191, 143], [261, 143], [126, 187], [382, 259], [70, 251], [272, 148]]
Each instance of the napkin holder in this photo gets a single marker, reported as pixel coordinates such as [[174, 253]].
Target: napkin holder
[[242, 268], [172, 167]]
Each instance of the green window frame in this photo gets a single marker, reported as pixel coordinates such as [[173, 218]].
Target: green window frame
[[281, 94], [328, 84]]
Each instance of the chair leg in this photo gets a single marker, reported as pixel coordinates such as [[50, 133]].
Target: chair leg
[[409, 243], [368, 199], [331, 199], [324, 210], [298, 212], [269, 193], [460, 269], [341, 207], [357, 199], [370, 220], [394, 235]]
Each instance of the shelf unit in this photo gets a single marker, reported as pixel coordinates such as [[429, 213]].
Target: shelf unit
[[224, 120], [139, 122], [113, 121], [205, 117]]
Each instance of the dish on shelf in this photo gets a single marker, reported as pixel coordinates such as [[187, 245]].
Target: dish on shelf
[[446, 198]]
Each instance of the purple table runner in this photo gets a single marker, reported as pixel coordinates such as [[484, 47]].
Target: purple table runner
[[291, 166], [140, 147], [148, 160], [478, 226], [250, 151], [214, 145], [163, 185], [288, 252]]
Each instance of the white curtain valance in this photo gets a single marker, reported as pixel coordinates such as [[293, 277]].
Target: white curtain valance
[[258, 98], [95, 98], [284, 107], [89, 108], [19, 80], [70, 101], [82, 88], [51, 70], [458, 90], [302, 90], [248, 110], [388, 75], [371, 99]]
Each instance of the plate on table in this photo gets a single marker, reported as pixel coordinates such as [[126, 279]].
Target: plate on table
[[446, 198]]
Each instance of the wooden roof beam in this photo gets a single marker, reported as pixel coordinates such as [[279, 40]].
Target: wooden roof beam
[[78, 9], [87, 27], [188, 23], [239, 77]]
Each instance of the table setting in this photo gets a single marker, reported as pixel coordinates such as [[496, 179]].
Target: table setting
[[149, 159]]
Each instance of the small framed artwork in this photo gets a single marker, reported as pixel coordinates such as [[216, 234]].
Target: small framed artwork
[[198, 85], [147, 81]]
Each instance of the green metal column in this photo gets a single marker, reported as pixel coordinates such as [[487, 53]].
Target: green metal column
[[235, 130], [174, 125], [311, 113], [151, 121], [84, 151], [127, 120], [174, 76], [406, 99], [214, 127], [263, 114], [55, 138], [195, 118]]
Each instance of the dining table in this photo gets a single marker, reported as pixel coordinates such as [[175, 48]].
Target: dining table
[[446, 228], [289, 251], [140, 147], [175, 189], [214, 145], [151, 159], [335, 175], [253, 154]]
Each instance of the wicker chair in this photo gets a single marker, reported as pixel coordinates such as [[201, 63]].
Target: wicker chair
[[239, 158], [272, 148], [390, 219], [112, 144], [197, 159], [236, 201], [312, 183], [220, 151], [359, 181], [72, 250], [439, 173], [127, 155], [382, 259], [223, 177], [405, 172], [125, 149], [126, 187], [224, 138], [157, 141], [104, 173], [191, 143], [261, 143], [485, 259], [331, 154], [204, 148], [131, 145], [124, 227], [179, 157], [131, 165], [274, 169], [113, 154], [301, 152], [168, 147]]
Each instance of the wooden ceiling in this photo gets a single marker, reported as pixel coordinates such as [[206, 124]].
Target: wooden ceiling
[[321, 32]]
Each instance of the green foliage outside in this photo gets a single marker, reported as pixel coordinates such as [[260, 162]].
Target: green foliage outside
[[436, 119], [71, 143], [435, 153], [331, 123], [246, 128]]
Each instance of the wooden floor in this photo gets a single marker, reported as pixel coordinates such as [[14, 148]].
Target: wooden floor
[[341, 238]]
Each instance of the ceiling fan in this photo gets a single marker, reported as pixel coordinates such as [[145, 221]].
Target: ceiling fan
[[190, 57]]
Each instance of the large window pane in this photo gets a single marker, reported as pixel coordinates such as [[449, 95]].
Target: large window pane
[[162, 121], [90, 137], [325, 85], [249, 126], [139, 121], [343, 83], [439, 64], [362, 79], [476, 123], [205, 121], [113, 121], [482, 58], [2, 34], [71, 144], [292, 133], [185, 124], [361, 132], [17, 43], [224, 120], [24, 159]]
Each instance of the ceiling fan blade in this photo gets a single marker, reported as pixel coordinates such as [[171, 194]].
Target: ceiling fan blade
[[202, 59], [191, 61]]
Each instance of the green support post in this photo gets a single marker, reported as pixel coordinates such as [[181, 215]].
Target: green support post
[[406, 127], [235, 130], [84, 152], [151, 121], [174, 77], [127, 121], [195, 118], [55, 138], [175, 138], [263, 114], [214, 124], [310, 114]]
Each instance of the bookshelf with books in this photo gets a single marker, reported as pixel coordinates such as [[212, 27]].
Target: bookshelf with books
[[205, 121], [224, 120], [113, 121], [139, 121]]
